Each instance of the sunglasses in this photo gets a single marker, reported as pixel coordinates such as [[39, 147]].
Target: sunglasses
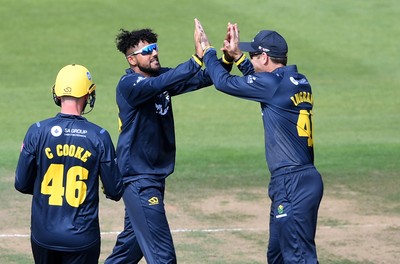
[[256, 53], [146, 50]]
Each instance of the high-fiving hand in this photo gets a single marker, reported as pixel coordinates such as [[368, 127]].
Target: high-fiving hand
[[200, 38], [231, 43]]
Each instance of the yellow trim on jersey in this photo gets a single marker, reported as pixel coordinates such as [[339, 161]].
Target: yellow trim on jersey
[[197, 60], [207, 48], [226, 61], [240, 60]]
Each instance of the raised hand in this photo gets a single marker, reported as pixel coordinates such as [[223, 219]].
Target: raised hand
[[231, 43], [200, 38]]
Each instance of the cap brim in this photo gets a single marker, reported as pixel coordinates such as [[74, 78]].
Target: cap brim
[[246, 46]]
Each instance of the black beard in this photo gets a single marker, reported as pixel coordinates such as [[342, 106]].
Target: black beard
[[149, 71]]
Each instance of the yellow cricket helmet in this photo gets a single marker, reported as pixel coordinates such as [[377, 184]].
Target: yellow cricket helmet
[[76, 81]]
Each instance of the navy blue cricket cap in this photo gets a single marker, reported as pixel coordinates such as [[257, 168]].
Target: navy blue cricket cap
[[267, 41]]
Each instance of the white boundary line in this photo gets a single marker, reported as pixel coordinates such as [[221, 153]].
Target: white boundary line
[[216, 230], [219, 230], [13, 235]]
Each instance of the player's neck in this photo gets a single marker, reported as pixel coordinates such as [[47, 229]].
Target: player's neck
[[70, 111], [71, 107]]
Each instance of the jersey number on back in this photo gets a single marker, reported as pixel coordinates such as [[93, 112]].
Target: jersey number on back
[[74, 190], [304, 126]]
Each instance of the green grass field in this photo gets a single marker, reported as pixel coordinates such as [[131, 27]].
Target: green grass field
[[348, 50]]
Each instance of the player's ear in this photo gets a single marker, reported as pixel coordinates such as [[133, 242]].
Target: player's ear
[[266, 59], [131, 60]]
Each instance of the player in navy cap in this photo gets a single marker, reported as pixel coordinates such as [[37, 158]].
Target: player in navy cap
[[60, 163], [268, 41], [286, 102]]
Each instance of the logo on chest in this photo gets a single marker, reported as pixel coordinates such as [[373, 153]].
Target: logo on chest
[[162, 103]]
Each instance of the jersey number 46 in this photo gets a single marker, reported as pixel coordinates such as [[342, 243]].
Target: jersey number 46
[[74, 190]]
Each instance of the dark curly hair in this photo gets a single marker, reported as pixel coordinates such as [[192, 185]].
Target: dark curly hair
[[127, 39]]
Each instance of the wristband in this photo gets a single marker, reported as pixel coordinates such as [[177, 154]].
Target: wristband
[[197, 59], [207, 48], [224, 60], [240, 60]]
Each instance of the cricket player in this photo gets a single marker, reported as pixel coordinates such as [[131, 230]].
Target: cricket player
[[286, 102], [146, 144], [60, 163]]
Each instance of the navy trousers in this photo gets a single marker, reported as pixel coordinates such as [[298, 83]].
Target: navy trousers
[[293, 218], [146, 229], [43, 255]]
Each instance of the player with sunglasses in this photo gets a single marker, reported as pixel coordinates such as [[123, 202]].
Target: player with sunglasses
[[146, 144]]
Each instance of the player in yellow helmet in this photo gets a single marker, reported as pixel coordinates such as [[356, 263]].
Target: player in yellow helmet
[[60, 163]]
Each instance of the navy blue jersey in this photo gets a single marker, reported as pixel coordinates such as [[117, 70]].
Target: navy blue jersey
[[60, 163], [286, 105], [146, 144]]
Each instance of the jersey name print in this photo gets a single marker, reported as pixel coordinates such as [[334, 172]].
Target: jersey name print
[[302, 97], [68, 151]]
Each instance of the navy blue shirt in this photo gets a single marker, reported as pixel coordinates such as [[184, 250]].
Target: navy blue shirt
[[60, 163], [146, 144], [286, 102]]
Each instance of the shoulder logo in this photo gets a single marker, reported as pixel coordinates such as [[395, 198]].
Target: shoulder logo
[[56, 131], [139, 79], [153, 200], [294, 81], [250, 79], [298, 81]]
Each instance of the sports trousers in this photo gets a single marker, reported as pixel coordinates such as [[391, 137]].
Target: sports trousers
[[43, 255], [295, 201], [146, 229]]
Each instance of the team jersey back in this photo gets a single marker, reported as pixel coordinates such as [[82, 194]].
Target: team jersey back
[[287, 119], [286, 105], [68, 152]]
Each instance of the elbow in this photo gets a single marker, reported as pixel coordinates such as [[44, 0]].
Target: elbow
[[117, 195], [115, 198], [23, 189]]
